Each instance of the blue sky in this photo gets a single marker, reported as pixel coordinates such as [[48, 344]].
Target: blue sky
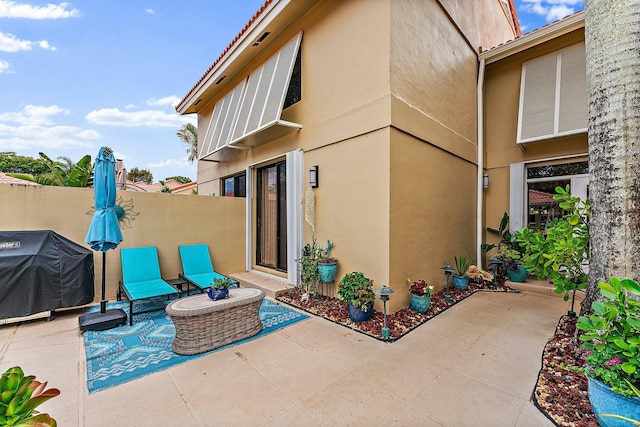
[[78, 75]]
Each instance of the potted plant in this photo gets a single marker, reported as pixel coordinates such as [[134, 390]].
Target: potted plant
[[327, 265], [460, 278], [511, 264], [357, 291], [420, 295], [219, 288], [20, 395], [309, 274], [478, 275], [612, 340]]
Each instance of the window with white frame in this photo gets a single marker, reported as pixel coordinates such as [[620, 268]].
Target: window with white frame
[[532, 187], [553, 95]]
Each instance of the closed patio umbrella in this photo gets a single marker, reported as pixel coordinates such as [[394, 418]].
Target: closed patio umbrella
[[104, 234]]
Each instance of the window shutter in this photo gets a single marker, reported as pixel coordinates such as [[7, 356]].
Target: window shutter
[[573, 90], [553, 95], [538, 103]]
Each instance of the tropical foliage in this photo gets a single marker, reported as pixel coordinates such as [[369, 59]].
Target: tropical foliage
[[10, 162], [62, 174], [612, 337], [180, 179], [188, 134], [561, 251], [140, 175]]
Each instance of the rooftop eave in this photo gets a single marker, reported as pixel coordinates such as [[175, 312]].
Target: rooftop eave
[[534, 38], [272, 19]]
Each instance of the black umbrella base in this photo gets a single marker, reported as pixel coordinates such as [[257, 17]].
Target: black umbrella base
[[97, 321]]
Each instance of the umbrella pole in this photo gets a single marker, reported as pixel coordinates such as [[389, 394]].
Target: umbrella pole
[[103, 301]]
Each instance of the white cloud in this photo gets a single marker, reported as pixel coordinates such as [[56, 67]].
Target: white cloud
[[150, 118], [150, 11], [4, 66], [45, 45], [552, 10], [32, 136], [170, 163], [130, 106], [12, 9], [11, 43], [33, 127], [167, 100], [33, 115]]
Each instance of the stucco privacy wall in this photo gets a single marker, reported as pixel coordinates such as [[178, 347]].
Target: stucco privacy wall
[[501, 103], [163, 220]]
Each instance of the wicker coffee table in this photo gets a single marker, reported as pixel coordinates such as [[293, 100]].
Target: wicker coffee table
[[203, 324]]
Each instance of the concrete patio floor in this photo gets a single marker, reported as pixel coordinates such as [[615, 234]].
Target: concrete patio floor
[[474, 365]]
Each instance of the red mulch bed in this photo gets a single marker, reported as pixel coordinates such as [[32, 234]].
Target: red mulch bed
[[399, 323], [559, 393]]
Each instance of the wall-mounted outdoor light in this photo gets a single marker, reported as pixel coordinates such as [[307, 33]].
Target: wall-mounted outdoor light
[[313, 176], [485, 180], [384, 292]]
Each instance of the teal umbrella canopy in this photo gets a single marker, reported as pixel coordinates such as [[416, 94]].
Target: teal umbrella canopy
[[104, 231]]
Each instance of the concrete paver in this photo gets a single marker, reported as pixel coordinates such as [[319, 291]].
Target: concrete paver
[[473, 365]]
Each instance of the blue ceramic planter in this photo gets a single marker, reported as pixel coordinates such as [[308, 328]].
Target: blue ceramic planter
[[420, 303], [327, 272], [460, 282], [605, 401], [517, 276], [358, 315], [216, 294]]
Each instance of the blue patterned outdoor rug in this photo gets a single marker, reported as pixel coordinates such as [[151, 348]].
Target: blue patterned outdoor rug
[[125, 353]]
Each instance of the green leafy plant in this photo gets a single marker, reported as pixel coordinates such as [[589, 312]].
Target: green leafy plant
[[311, 254], [325, 256], [224, 283], [357, 289], [561, 251], [462, 265], [612, 337], [19, 396], [506, 238]]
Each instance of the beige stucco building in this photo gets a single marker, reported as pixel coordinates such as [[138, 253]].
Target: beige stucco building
[[535, 123], [387, 110], [381, 96]]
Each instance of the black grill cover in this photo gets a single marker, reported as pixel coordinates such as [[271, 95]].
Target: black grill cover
[[42, 271]]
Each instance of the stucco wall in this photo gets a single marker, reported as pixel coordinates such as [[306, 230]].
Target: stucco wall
[[153, 219], [432, 212], [502, 92]]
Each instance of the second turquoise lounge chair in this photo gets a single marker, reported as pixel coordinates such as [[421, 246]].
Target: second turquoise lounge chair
[[141, 277], [197, 268]]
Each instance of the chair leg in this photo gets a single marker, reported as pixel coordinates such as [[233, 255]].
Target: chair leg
[[130, 313]]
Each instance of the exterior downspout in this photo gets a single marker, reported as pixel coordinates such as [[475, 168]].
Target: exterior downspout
[[480, 189]]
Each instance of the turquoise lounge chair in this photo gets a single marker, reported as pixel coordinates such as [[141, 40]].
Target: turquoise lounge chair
[[197, 269], [141, 277]]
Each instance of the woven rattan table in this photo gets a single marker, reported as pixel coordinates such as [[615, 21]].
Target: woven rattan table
[[203, 324]]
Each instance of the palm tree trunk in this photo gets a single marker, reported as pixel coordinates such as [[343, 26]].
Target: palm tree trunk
[[612, 38]]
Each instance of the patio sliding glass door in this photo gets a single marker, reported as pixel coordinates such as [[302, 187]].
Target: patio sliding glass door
[[271, 226]]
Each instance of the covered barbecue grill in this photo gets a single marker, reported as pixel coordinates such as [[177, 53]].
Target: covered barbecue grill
[[42, 271]]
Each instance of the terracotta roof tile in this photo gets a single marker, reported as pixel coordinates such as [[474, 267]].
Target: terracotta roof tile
[[534, 30], [229, 46], [4, 179]]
